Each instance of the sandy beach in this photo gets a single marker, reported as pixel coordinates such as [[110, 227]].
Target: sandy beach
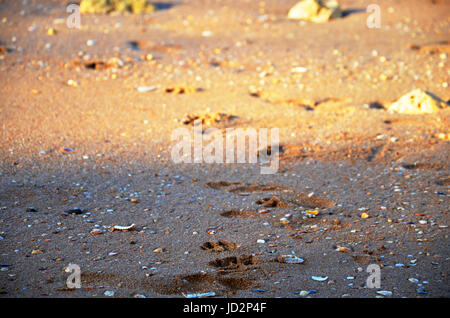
[[86, 118]]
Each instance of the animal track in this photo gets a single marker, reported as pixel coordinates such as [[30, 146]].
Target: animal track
[[234, 262], [219, 246]]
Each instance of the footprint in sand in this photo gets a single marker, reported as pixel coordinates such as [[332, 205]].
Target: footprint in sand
[[311, 201], [218, 247], [235, 262], [272, 202], [242, 214], [200, 282]]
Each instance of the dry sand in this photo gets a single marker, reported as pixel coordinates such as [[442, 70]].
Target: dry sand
[[234, 57]]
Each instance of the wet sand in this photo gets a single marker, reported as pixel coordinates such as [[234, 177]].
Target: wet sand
[[99, 144]]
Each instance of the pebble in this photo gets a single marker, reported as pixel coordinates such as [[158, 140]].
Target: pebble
[[144, 89], [109, 293], [319, 278], [304, 293], [384, 292], [96, 232], [258, 290]]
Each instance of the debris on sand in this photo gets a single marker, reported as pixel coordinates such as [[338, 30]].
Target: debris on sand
[[418, 102], [123, 228], [317, 11], [113, 62], [183, 90], [120, 6]]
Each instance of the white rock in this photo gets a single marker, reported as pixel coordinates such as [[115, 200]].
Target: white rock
[[417, 102]]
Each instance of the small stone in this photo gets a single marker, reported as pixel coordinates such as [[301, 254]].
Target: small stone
[[384, 293], [315, 10], [74, 211], [96, 232], [418, 102], [109, 293], [144, 89]]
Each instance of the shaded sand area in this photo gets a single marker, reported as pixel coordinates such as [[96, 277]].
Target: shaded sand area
[[86, 117]]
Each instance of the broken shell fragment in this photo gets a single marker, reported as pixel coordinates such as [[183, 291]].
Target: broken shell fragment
[[200, 295], [343, 249], [96, 232], [290, 259], [123, 228]]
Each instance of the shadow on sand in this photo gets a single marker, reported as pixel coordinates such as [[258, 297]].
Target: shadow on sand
[[161, 6], [346, 13]]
